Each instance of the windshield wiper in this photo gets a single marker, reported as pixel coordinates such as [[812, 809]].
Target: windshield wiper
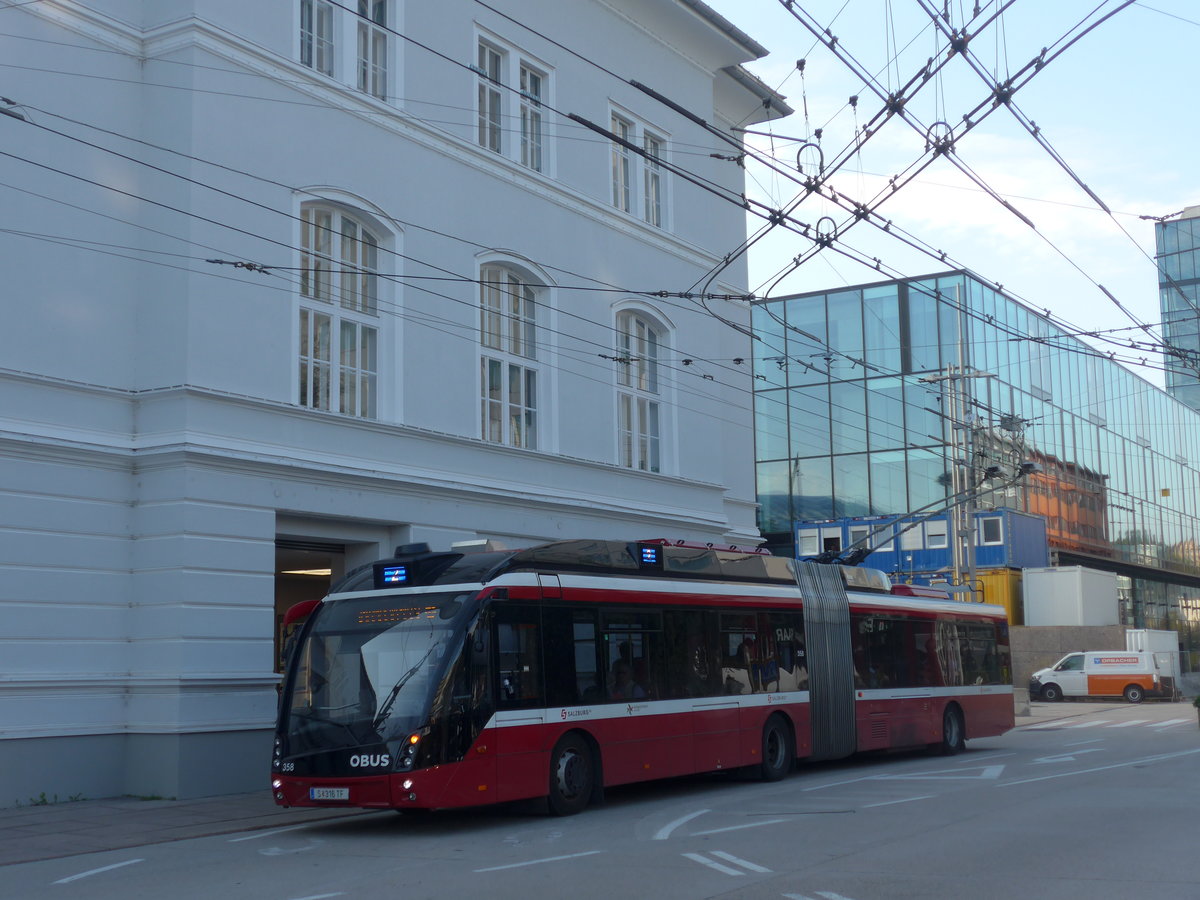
[[313, 717], [395, 691]]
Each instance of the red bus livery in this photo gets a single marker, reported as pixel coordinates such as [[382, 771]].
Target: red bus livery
[[436, 680]]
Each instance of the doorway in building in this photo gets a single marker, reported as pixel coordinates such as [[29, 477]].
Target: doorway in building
[[304, 571]]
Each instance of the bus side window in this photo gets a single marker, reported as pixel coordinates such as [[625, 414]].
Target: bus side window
[[518, 656], [691, 670]]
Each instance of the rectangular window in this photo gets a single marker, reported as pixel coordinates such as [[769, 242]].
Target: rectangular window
[[372, 47], [490, 64], [990, 529], [316, 242], [315, 358], [316, 35], [652, 180], [507, 314], [357, 374], [935, 535], [509, 403], [622, 166], [532, 123], [808, 543], [359, 263], [639, 433]]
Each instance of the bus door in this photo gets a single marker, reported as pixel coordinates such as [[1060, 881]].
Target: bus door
[[520, 699]]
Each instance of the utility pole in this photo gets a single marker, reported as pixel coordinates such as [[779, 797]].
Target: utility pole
[[962, 517]]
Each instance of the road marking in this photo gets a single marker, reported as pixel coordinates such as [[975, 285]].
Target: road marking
[[665, 832], [321, 896], [740, 827], [729, 857], [978, 759], [1132, 762], [828, 895], [892, 802], [705, 861], [1091, 724], [985, 772], [70, 878], [1067, 757], [538, 862], [1081, 743], [1129, 722], [263, 834], [1169, 722]]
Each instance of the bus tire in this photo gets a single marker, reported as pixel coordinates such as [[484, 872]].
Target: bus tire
[[1134, 693], [954, 732], [777, 753], [1051, 693], [571, 776]]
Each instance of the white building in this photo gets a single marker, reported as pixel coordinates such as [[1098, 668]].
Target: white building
[[289, 283]]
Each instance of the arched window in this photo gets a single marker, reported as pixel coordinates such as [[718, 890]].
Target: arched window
[[639, 426], [509, 373], [339, 315]]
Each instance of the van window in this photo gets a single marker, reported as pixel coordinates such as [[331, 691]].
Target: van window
[[1073, 663]]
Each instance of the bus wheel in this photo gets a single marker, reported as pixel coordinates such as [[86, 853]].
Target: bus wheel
[[777, 753], [570, 776], [1134, 693], [953, 733], [1051, 693]]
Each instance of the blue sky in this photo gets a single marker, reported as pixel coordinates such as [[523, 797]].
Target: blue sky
[[1118, 106]]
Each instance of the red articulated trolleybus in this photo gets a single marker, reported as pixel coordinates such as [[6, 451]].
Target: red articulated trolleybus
[[435, 680]]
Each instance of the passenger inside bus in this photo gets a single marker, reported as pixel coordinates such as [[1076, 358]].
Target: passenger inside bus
[[623, 686]]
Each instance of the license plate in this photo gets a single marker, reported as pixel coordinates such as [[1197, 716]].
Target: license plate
[[328, 793]]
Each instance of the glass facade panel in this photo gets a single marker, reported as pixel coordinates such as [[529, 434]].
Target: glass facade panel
[[851, 491], [1118, 459], [885, 413], [881, 328], [770, 425], [848, 417], [889, 483], [809, 421]]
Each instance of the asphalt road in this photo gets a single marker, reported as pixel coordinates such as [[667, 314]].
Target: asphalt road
[[1100, 803]]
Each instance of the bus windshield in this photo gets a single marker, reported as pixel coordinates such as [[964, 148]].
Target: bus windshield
[[368, 666]]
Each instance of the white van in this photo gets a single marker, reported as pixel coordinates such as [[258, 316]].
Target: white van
[[1131, 674]]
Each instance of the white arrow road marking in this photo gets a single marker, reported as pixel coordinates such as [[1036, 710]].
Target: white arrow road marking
[[263, 834], [985, 772], [740, 827], [893, 802], [70, 878], [1067, 757], [538, 862], [313, 844], [1132, 762], [665, 832]]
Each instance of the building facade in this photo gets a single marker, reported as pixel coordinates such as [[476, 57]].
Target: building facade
[[889, 398], [298, 282], [1178, 255]]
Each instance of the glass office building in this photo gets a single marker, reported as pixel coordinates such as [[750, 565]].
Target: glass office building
[[867, 399], [1178, 257]]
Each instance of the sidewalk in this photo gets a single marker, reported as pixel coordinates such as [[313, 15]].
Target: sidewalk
[[29, 833]]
